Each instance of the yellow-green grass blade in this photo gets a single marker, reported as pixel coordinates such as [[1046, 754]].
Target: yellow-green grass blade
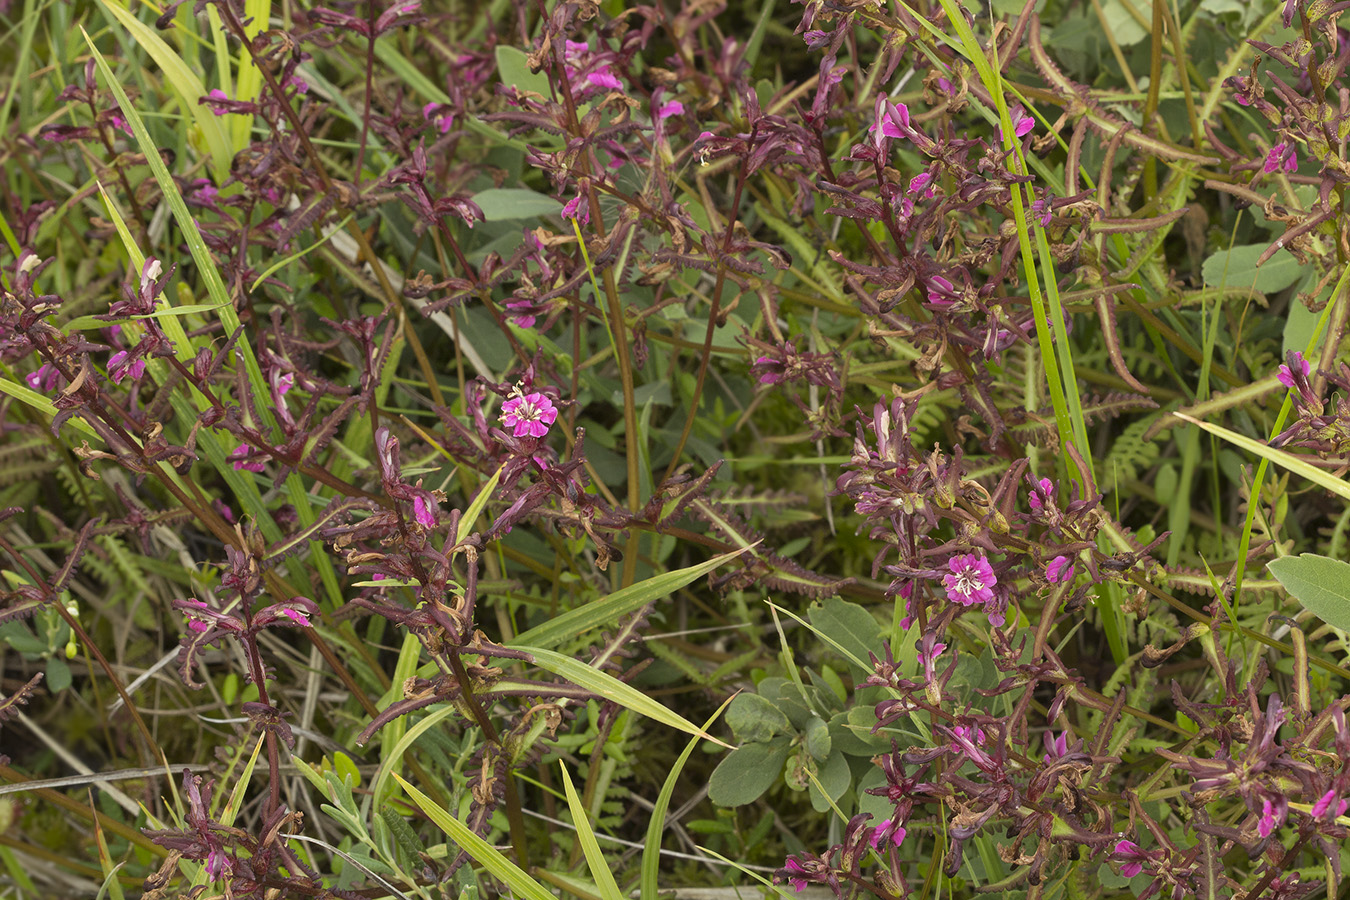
[[185, 84], [607, 687], [480, 851], [595, 860], [602, 613]]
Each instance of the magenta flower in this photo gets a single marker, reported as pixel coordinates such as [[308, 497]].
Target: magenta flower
[[971, 580], [921, 185], [423, 513], [1022, 123], [438, 115], [1057, 746], [1272, 816], [605, 79], [795, 868], [885, 829], [1059, 570], [891, 121], [120, 365], [1133, 862], [1046, 491], [1286, 375], [242, 464], [577, 208], [218, 94], [1323, 805], [1281, 156], [44, 379], [673, 108], [942, 293], [529, 415]]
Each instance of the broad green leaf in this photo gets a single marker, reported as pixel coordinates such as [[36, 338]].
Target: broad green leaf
[[753, 718], [614, 690], [818, 742], [595, 860], [479, 850], [1236, 267], [831, 781], [501, 204], [602, 613], [1320, 583], [849, 627], [748, 772], [513, 68]]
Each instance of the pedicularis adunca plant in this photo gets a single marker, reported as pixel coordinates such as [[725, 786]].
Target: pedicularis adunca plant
[[398, 371]]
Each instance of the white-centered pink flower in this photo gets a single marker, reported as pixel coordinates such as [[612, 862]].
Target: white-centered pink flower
[[971, 579], [529, 415]]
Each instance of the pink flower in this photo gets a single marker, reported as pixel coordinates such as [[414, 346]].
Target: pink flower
[[1059, 570], [891, 121], [422, 512], [1281, 156], [795, 868], [604, 78], [529, 415], [295, 616], [435, 114], [218, 94], [242, 464], [941, 292], [1323, 805], [971, 580], [1286, 375], [673, 108], [1022, 123], [44, 379], [896, 833], [225, 512], [577, 208], [1046, 490], [921, 185], [120, 365], [1134, 858], [1272, 816], [1057, 746]]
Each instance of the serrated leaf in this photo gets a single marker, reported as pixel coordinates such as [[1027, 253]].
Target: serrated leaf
[[1319, 583]]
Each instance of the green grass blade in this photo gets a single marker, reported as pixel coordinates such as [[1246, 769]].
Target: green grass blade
[[602, 613], [607, 687], [185, 84], [595, 860], [479, 850], [656, 825]]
